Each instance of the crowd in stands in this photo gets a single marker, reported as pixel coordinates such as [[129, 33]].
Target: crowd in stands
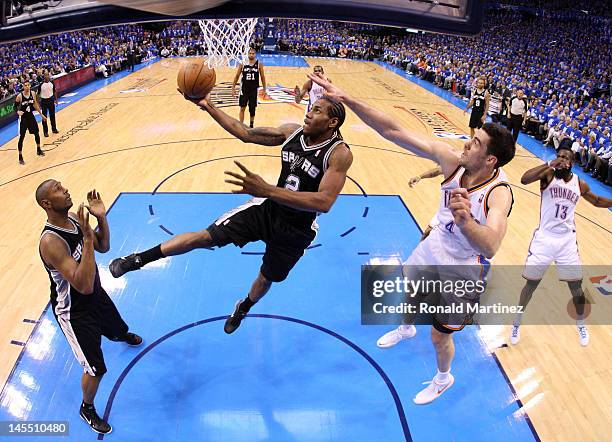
[[105, 49], [564, 69], [328, 39], [562, 63]]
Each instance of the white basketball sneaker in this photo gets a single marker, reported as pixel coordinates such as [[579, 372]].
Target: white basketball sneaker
[[433, 391], [583, 333], [393, 337], [515, 335]]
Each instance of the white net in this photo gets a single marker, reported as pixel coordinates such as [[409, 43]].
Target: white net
[[227, 40]]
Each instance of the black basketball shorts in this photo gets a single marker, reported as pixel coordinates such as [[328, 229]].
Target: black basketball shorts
[[248, 97], [260, 219], [27, 123], [476, 120], [84, 333]]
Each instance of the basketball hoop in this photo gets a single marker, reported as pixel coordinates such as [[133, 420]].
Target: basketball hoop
[[227, 40]]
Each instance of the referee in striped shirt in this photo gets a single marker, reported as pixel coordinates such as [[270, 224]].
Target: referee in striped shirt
[[48, 100], [517, 112]]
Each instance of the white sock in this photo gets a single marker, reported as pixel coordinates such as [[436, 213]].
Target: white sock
[[580, 322], [442, 378], [404, 329]]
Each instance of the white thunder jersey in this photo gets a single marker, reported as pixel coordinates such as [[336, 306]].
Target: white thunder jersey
[[554, 241], [558, 204], [314, 94], [451, 238]]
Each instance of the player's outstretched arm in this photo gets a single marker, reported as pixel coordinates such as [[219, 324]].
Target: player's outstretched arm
[[266, 136], [431, 173], [596, 200], [441, 153], [485, 238], [320, 201]]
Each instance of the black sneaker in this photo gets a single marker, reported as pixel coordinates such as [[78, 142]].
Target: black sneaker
[[55, 131], [233, 321], [96, 423], [40, 153], [21, 161], [132, 339], [120, 266], [46, 135]]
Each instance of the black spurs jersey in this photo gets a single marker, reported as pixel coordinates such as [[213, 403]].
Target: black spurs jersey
[[479, 101], [27, 105], [302, 170], [250, 76], [68, 302]]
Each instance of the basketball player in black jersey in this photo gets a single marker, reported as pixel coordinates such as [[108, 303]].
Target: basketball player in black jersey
[[25, 103], [314, 164], [81, 307], [479, 104], [249, 85]]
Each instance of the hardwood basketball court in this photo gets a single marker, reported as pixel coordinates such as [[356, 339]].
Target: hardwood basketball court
[[133, 133]]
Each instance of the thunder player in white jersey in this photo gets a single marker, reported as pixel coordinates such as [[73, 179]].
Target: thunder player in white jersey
[[313, 89], [555, 238], [472, 220]]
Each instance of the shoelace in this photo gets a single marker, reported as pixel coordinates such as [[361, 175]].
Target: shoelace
[[239, 314], [582, 331]]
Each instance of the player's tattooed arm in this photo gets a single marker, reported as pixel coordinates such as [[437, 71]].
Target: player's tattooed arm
[[270, 136], [266, 136], [596, 200]]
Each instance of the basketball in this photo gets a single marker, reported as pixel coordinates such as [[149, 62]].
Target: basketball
[[195, 79]]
